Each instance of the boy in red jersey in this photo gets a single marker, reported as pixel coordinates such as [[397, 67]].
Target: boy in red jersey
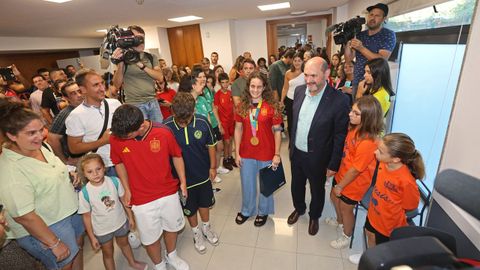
[[224, 103], [141, 151]]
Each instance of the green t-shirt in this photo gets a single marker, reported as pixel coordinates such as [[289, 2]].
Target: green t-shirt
[[208, 94], [138, 86], [204, 107], [27, 185], [238, 86]]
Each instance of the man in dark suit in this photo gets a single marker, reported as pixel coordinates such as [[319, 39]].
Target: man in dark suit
[[320, 122]]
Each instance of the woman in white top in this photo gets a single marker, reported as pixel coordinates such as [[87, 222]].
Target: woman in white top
[[293, 78]]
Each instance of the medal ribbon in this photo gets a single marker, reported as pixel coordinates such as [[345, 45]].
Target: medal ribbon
[[254, 119]]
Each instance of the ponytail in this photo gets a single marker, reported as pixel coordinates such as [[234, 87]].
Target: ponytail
[[402, 146]]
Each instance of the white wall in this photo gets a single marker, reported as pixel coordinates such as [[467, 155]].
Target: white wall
[[317, 30], [13, 44], [216, 37], [156, 42], [251, 35], [461, 146]]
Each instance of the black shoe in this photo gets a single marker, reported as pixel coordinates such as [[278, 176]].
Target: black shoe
[[313, 226], [231, 160], [226, 164], [293, 218]]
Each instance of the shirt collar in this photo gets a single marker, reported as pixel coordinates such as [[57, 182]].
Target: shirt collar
[[192, 123]]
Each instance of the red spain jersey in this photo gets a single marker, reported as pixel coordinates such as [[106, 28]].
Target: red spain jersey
[[265, 149], [147, 160], [224, 103]]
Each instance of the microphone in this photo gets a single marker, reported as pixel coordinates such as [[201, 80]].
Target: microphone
[[331, 28]]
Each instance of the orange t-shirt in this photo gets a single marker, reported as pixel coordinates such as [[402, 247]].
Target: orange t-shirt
[[359, 154], [394, 193]]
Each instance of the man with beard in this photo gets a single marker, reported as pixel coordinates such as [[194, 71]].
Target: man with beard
[[375, 42]]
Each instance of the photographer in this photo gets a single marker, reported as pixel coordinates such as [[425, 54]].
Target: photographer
[[375, 42], [138, 78]]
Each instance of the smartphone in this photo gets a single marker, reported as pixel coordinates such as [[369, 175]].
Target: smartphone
[[7, 74], [183, 199], [348, 84]]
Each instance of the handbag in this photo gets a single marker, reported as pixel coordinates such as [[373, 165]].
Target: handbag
[[271, 180]]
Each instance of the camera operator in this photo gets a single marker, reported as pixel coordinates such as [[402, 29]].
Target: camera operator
[[375, 42], [138, 79]]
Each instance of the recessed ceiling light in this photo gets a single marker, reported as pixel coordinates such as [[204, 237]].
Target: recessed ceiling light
[[185, 19], [274, 6], [58, 1], [296, 13], [102, 31]]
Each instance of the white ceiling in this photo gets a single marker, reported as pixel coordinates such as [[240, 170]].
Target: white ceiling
[[80, 18]]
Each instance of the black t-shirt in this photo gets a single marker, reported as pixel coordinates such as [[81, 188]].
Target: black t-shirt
[[49, 100]]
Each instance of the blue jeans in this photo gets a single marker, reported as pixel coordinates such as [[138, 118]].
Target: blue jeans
[[151, 110], [68, 230], [249, 175]]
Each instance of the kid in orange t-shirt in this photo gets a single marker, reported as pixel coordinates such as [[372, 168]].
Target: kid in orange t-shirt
[[355, 173], [395, 191], [224, 103]]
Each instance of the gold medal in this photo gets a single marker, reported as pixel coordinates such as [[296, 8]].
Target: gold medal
[[254, 141]]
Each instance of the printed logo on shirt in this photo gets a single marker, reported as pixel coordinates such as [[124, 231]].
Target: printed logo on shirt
[[222, 100], [126, 150], [264, 112], [155, 145], [390, 186], [197, 134], [186, 212], [105, 197]]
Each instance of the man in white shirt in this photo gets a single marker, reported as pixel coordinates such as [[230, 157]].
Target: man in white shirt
[[36, 97], [85, 123]]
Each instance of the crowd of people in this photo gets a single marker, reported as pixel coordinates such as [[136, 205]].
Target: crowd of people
[[86, 154]]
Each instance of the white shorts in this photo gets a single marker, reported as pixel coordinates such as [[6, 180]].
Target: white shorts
[[154, 217]]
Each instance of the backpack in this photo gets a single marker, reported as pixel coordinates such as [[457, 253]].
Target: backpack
[[85, 191]]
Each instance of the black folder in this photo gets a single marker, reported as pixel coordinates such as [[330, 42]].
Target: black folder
[[271, 180]]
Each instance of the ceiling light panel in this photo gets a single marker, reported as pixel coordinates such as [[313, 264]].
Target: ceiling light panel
[[274, 6], [58, 1], [185, 19]]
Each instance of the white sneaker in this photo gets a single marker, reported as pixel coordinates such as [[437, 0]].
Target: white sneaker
[[341, 242], [211, 236], [217, 179], [199, 242], [176, 262], [332, 221], [161, 266], [355, 258], [222, 170]]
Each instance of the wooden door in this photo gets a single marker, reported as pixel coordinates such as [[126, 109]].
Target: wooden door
[[185, 44]]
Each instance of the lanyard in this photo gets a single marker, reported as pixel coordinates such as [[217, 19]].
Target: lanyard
[[254, 119]]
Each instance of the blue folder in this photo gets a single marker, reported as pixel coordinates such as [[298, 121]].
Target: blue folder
[[271, 180]]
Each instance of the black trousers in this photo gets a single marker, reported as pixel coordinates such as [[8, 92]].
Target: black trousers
[[316, 175], [289, 109]]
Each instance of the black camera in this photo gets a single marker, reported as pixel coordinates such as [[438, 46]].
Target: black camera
[[121, 38], [348, 30], [7, 74]]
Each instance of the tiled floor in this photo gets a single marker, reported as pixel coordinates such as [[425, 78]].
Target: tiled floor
[[274, 246]]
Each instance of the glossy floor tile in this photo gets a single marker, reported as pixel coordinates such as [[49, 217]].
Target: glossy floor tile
[[276, 245]]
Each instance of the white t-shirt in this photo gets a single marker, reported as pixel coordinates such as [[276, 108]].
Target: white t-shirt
[[105, 206], [87, 121], [36, 100]]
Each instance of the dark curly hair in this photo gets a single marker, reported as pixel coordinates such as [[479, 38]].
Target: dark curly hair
[[267, 96]]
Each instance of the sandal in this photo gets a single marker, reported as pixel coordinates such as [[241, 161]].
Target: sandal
[[260, 221], [240, 219]]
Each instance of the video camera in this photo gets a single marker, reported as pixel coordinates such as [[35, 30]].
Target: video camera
[[121, 38], [7, 74], [343, 32]]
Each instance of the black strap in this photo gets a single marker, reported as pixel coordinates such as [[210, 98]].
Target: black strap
[[44, 144], [149, 56], [375, 173], [105, 123]]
